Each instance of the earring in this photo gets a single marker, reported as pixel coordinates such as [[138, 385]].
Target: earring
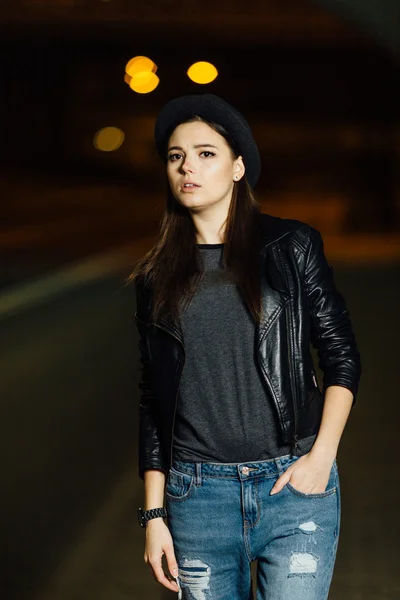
[[235, 177]]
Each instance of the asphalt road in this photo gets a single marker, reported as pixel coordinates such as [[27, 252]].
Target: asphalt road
[[68, 426]]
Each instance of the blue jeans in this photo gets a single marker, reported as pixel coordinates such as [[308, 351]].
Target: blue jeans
[[222, 517]]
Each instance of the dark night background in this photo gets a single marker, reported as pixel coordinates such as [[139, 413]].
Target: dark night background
[[319, 84]]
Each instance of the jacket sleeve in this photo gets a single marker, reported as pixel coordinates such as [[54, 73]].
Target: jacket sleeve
[[150, 448], [331, 329]]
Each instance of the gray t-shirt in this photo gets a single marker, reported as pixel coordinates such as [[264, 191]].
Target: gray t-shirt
[[224, 410]]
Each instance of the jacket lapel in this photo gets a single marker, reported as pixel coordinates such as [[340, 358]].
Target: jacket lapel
[[274, 291]]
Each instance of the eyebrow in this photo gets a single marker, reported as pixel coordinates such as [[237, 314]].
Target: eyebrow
[[196, 146]]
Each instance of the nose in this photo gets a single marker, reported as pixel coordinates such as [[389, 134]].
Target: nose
[[187, 166]]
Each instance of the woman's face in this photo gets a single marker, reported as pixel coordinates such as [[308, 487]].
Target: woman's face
[[198, 155]]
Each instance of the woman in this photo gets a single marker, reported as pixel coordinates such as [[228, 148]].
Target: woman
[[234, 427]]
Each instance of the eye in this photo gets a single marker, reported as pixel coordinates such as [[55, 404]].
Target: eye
[[172, 157], [208, 152]]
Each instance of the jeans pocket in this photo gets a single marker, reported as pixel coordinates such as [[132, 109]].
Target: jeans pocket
[[180, 486], [330, 489]]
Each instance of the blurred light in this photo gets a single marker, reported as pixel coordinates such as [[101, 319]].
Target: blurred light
[[144, 82], [140, 74], [202, 72], [108, 139], [140, 63]]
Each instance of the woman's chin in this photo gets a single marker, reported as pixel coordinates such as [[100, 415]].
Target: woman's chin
[[189, 201], [195, 201]]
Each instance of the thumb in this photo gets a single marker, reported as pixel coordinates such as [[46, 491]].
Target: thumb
[[281, 482]]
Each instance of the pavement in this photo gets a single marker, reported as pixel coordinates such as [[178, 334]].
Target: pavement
[[68, 316]]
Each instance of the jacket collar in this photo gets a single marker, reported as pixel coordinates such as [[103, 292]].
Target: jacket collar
[[274, 289]]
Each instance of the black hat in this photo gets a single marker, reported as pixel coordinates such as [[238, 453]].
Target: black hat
[[211, 108]]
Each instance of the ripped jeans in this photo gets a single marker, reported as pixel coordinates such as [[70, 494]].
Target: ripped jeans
[[222, 517]]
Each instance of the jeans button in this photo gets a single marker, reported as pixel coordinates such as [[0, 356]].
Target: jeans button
[[245, 470]]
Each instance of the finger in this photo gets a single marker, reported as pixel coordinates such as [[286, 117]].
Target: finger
[[171, 561], [280, 483], [161, 577]]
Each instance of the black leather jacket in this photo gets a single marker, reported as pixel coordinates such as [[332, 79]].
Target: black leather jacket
[[300, 305]]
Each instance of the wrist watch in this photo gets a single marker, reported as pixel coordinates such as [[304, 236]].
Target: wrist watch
[[146, 515]]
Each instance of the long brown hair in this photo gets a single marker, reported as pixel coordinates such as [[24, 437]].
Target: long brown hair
[[173, 266]]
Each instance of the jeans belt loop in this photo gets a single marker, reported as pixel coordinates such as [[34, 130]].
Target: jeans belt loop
[[198, 474], [278, 463]]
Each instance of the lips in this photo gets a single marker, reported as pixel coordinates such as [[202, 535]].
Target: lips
[[189, 184]]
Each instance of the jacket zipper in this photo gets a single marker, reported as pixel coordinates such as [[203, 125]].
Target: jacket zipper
[[295, 436], [293, 385]]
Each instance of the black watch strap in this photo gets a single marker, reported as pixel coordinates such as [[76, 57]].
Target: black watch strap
[[146, 515]]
